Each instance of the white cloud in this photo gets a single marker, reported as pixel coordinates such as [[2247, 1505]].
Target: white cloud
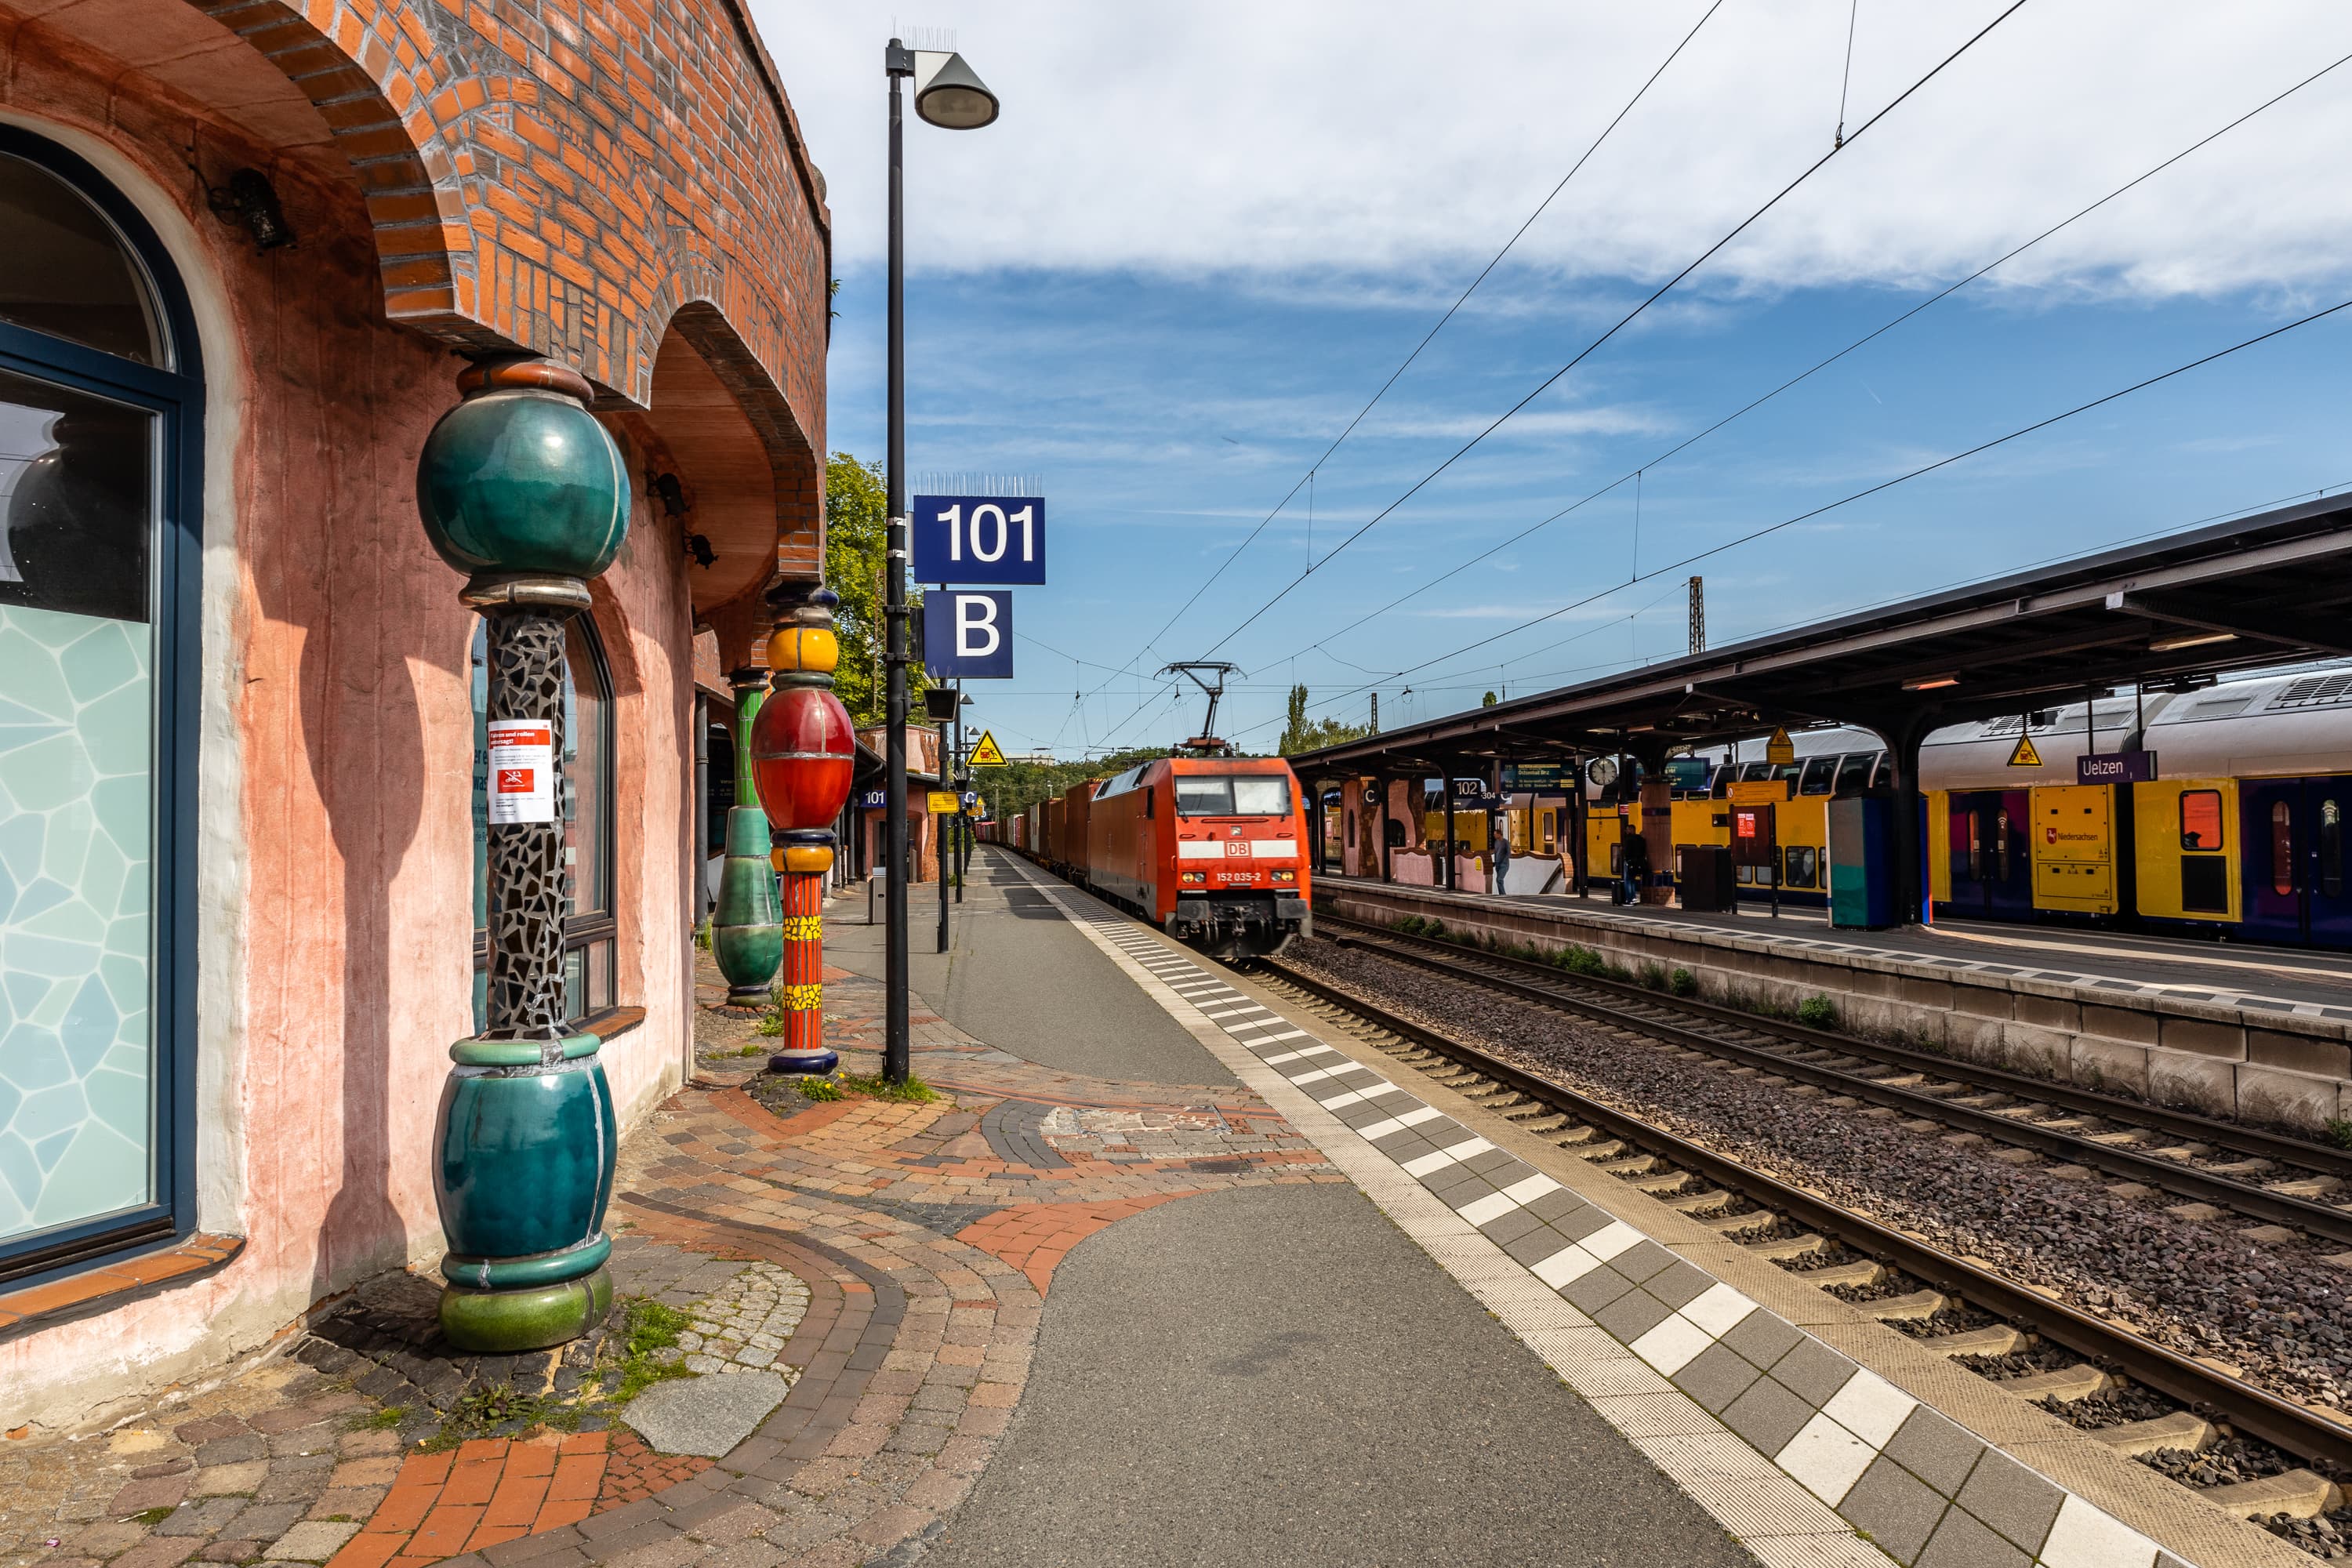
[[1394, 143]]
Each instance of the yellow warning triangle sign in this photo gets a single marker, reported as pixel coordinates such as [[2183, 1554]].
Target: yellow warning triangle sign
[[2024, 756], [988, 753], [1779, 748]]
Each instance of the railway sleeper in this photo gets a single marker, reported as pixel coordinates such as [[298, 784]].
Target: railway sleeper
[[1661, 1182], [1918, 1304], [1695, 1204], [1630, 1165], [1608, 1149], [1576, 1134], [1732, 1225], [2067, 1384], [2298, 1494], [2306, 1187], [1788, 1247], [2000, 1338], [1862, 1272], [2179, 1430]]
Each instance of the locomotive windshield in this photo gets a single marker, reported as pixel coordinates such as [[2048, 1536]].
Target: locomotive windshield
[[1211, 795]]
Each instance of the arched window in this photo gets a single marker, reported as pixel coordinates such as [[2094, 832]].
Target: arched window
[[101, 414], [588, 840]]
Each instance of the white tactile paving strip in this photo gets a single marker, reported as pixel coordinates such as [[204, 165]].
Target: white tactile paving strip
[[1791, 1446]]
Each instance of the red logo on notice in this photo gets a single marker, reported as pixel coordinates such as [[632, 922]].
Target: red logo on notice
[[514, 781]]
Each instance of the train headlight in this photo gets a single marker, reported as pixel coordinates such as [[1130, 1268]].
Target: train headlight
[[1286, 876], [1192, 879]]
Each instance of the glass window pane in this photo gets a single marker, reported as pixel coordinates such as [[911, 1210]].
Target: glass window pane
[[2201, 819], [76, 839], [587, 798], [1261, 798], [1204, 795], [2282, 847], [77, 498], [64, 271]]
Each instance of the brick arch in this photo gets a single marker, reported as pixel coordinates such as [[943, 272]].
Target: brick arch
[[569, 176]]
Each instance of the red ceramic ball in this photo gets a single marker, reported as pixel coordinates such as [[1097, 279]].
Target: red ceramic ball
[[804, 749]]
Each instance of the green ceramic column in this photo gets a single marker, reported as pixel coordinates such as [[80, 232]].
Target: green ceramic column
[[523, 490], [747, 934]]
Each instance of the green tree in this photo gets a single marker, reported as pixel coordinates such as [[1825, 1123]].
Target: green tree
[[1304, 734], [857, 515], [1489, 702]]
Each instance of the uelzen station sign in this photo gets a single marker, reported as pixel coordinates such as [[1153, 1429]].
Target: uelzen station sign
[[2118, 767]]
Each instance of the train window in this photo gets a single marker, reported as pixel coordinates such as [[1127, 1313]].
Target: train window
[[1756, 771], [1151, 801], [2331, 848], [1819, 777], [1854, 772], [1200, 794], [1804, 865], [1720, 788], [1881, 773], [2282, 847], [1781, 770], [2201, 819]]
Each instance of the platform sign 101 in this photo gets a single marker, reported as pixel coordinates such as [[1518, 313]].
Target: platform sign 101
[[979, 539]]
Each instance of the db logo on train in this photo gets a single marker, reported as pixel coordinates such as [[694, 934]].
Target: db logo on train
[[1237, 849]]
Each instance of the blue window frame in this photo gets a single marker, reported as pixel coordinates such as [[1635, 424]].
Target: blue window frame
[[101, 445]]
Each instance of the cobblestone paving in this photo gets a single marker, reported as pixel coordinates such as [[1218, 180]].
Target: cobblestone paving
[[890, 1259], [742, 1326]]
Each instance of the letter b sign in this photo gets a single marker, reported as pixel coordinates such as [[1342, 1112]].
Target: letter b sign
[[966, 635]]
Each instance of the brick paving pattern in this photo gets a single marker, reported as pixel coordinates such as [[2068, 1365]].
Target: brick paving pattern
[[891, 1258]]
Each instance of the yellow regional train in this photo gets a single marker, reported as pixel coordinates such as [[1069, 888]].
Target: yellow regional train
[[2242, 836]]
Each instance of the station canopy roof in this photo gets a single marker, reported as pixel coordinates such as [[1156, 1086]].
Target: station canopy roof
[[2259, 591]]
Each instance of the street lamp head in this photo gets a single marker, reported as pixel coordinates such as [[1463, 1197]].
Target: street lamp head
[[950, 94]]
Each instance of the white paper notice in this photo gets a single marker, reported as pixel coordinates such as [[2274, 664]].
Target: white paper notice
[[522, 771]]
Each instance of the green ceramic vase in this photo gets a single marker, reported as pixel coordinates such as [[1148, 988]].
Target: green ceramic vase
[[523, 480]]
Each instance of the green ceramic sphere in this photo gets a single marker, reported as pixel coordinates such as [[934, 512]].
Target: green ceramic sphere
[[523, 482]]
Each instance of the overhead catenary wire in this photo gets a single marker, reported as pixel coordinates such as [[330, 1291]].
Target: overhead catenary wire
[[1307, 478], [1868, 491], [1819, 366], [1621, 322]]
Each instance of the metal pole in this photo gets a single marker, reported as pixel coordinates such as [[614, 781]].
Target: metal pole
[[939, 825], [897, 1063], [962, 836]]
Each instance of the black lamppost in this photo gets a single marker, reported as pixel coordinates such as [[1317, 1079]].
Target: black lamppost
[[949, 96]]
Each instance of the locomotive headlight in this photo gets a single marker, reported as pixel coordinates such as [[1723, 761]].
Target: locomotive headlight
[[1286, 876], [1192, 877]]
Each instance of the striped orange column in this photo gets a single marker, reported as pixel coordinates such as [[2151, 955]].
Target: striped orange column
[[802, 977], [804, 750]]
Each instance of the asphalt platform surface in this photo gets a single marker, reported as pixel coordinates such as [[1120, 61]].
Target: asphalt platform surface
[[1268, 1375], [1278, 1375]]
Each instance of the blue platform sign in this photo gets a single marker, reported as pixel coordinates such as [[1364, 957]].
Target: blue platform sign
[[979, 539], [966, 635]]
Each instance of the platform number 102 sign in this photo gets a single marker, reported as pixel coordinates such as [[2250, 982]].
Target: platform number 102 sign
[[979, 539]]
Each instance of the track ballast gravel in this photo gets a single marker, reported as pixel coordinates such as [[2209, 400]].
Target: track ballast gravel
[[2272, 1310]]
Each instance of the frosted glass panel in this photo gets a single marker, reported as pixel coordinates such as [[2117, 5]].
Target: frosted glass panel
[[75, 1062]]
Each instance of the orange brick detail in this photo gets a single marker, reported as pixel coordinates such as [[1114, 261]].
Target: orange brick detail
[[1033, 1237]]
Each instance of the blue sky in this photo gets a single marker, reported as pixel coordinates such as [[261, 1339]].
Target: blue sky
[[1175, 344]]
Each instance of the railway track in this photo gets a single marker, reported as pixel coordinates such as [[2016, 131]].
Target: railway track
[[1947, 1304], [2268, 1177]]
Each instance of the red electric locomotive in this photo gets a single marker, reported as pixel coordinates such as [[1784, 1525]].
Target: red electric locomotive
[[1208, 848]]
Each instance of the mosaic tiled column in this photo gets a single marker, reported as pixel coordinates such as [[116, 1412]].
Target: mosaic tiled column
[[803, 751], [523, 490], [745, 938]]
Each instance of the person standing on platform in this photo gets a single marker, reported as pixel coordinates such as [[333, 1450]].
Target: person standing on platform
[[1498, 836], [1635, 863]]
